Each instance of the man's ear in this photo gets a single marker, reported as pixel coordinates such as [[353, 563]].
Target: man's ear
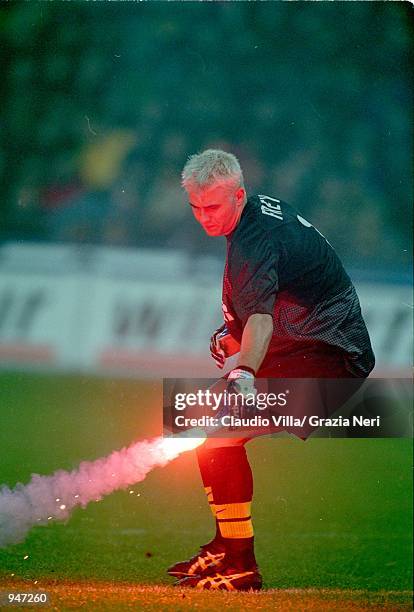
[[240, 196]]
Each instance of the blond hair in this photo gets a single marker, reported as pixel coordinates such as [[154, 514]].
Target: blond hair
[[211, 166]]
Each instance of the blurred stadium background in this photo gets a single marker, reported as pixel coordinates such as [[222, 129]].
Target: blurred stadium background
[[101, 263], [104, 271]]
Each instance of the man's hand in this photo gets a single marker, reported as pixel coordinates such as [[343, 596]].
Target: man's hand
[[241, 382], [216, 351], [222, 345]]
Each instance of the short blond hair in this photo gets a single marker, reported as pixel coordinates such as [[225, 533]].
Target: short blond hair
[[211, 166]]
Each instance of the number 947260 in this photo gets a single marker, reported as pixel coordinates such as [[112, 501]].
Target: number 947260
[[17, 598]]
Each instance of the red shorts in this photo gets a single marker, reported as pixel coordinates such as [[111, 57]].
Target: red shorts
[[315, 361]]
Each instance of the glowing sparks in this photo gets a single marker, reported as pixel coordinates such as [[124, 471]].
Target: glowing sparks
[[26, 557], [62, 507]]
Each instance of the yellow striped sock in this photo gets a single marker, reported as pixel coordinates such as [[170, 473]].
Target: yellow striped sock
[[209, 493], [235, 520]]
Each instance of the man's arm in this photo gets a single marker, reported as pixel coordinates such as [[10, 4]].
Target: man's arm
[[255, 340]]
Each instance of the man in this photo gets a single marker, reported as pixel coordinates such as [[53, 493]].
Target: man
[[291, 311]]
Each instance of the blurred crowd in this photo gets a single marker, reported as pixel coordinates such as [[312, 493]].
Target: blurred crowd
[[103, 105]]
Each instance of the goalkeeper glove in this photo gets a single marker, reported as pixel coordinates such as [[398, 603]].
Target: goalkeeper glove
[[241, 382], [222, 345]]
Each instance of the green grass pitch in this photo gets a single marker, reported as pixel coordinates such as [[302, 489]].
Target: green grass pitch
[[332, 516]]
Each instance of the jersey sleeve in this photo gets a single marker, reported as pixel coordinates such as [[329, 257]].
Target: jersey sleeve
[[255, 276]]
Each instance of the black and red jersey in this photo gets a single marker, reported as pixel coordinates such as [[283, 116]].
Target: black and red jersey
[[279, 264]]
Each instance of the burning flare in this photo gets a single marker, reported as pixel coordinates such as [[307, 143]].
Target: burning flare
[[47, 498]]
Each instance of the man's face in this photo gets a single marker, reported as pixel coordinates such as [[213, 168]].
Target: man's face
[[217, 208]]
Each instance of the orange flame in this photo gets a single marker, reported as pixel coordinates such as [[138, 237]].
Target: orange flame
[[172, 447]]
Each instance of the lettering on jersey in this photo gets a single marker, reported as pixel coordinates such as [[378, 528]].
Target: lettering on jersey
[[307, 224], [271, 206]]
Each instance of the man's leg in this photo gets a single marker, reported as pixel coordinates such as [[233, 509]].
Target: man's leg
[[203, 457], [225, 468], [211, 555], [232, 491]]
